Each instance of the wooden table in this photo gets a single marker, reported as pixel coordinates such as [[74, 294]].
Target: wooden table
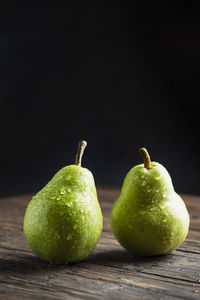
[[109, 272]]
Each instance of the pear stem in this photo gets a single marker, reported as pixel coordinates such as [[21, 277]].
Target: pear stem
[[146, 157], [81, 147]]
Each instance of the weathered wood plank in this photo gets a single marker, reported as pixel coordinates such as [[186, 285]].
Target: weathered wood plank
[[109, 272]]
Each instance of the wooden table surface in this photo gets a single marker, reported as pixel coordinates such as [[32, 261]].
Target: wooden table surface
[[109, 272]]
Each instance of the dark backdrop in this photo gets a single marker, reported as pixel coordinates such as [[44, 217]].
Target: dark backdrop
[[120, 77]]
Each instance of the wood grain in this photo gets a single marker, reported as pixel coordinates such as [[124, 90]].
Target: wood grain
[[109, 272]]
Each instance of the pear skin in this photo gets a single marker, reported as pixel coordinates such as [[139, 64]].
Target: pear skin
[[149, 218]]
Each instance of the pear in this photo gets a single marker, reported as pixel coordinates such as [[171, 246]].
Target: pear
[[63, 221], [149, 218]]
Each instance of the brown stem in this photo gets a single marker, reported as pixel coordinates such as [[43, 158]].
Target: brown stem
[[81, 148], [146, 157]]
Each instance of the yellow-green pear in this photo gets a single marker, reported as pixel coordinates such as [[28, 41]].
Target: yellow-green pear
[[149, 217], [63, 221]]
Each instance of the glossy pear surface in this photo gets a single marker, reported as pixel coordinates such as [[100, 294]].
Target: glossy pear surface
[[149, 217], [63, 222]]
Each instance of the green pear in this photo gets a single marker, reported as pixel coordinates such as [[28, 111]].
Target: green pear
[[63, 221], [149, 217]]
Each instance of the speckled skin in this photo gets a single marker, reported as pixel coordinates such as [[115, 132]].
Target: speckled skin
[[63, 221], [149, 217]]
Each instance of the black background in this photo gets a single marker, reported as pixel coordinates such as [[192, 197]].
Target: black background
[[119, 76]]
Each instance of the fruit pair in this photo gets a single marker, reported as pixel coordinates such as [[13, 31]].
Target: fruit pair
[[63, 221]]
